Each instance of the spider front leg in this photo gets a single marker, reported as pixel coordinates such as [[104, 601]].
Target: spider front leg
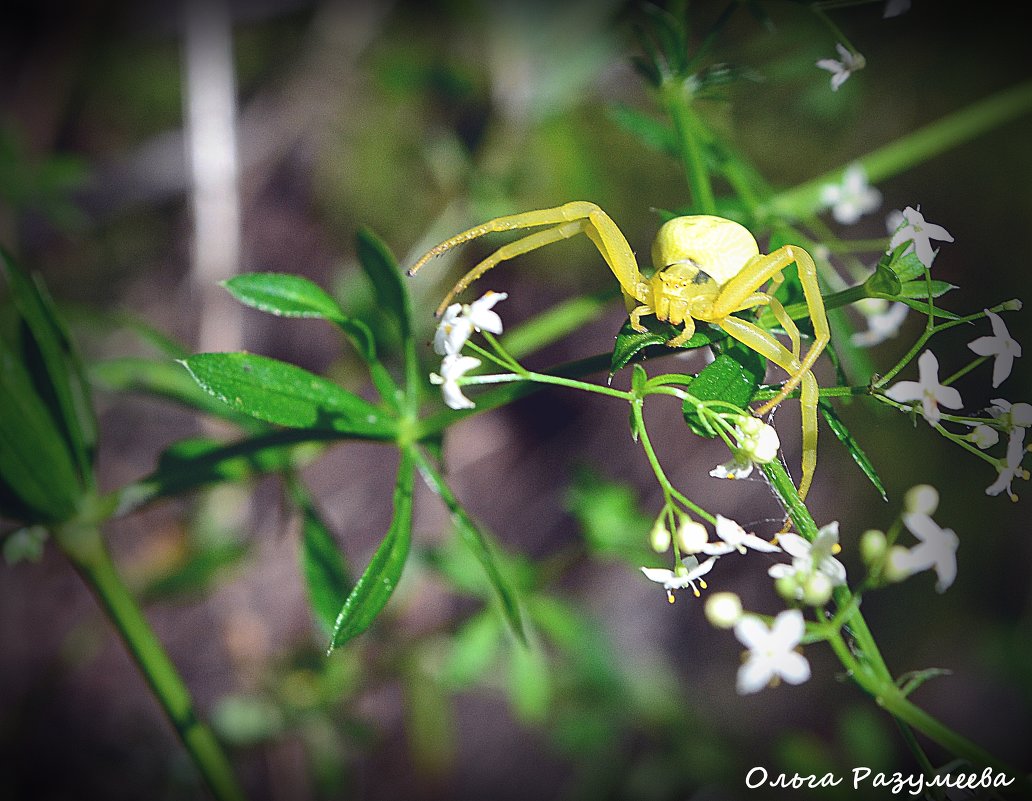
[[741, 292], [764, 343]]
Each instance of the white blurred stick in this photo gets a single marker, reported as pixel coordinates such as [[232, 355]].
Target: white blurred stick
[[212, 153]]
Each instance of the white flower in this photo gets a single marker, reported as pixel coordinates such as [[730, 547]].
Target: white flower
[[758, 443], [735, 539], [686, 574], [1000, 345], [937, 550], [927, 389], [984, 436], [1011, 469], [920, 233], [1017, 414], [737, 467], [811, 557], [852, 198], [883, 321], [454, 367], [772, 653], [841, 70], [460, 321]]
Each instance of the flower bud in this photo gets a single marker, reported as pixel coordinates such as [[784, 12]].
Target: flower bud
[[872, 546], [691, 535], [921, 500], [659, 537], [817, 589], [723, 609], [788, 588], [1012, 305], [984, 436], [896, 567], [757, 440]]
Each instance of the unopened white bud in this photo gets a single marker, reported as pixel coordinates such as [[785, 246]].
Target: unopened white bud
[[691, 535], [659, 537], [788, 587], [872, 546], [723, 609], [757, 440], [1013, 305], [984, 436], [896, 567], [921, 500], [817, 589]]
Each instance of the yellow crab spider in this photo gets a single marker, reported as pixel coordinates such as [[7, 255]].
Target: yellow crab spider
[[707, 268]]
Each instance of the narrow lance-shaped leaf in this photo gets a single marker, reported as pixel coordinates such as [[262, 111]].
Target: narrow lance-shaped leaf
[[846, 438], [285, 394], [288, 295], [377, 583], [322, 565], [477, 542], [382, 268], [53, 364], [195, 463], [164, 378], [37, 476]]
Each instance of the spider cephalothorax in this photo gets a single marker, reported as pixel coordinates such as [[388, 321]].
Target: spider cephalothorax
[[706, 268]]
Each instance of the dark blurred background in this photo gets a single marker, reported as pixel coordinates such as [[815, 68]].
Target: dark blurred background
[[148, 150]]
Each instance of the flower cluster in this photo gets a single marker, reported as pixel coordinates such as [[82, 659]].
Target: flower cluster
[[457, 325], [1003, 416]]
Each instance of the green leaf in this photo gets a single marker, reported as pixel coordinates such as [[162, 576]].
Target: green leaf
[[906, 265], [846, 438], [923, 307], [287, 395], [630, 343], [194, 463], [377, 583], [724, 379], [882, 282], [919, 289], [293, 296], [530, 684], [474, 648], [284, 295], [53, 364], [164, 378], [322, 564], [650, 132], [382, 268], [913, 679], [478, 544], [38, 479]]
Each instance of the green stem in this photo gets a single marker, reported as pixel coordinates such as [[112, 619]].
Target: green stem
[[914, 148], [544, 378], [672, 93], [668, 488], [85, 547], [864, 661]]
